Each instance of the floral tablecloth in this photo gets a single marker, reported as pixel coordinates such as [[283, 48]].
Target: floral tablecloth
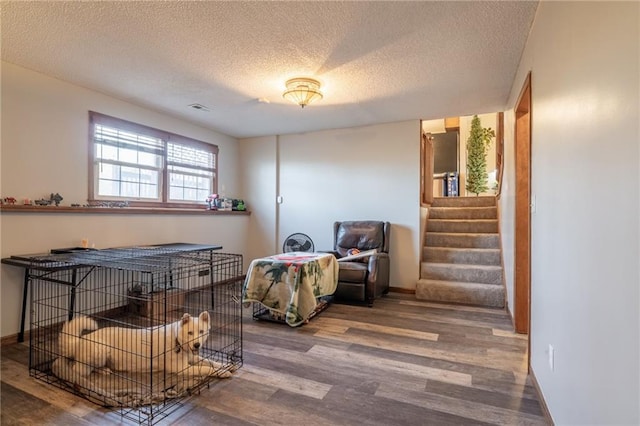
[[290, 283]]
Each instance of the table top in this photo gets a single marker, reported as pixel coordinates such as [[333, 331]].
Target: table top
[[155, 256], [291, 283], [296, 257]]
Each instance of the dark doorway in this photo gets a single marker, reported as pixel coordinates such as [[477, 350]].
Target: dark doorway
[[445, 152]]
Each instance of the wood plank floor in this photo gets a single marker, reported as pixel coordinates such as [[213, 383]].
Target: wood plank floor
[[402, 362]]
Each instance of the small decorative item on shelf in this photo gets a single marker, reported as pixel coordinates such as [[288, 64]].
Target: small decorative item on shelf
[[240, 206], [9, 200], [55, 198], [211, 202], [75, 205], [26, 202], [42, 202], [227, 204]]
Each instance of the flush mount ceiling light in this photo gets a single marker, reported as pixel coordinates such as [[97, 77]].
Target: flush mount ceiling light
[[302, 91]]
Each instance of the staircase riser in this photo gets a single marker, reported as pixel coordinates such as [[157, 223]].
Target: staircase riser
[[462, 274], [463, 202], [472, 226], [463, 213], [491, 296], [435, 239], [489, 257]]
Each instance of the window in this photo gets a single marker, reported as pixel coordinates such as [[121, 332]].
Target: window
[[146, 166]]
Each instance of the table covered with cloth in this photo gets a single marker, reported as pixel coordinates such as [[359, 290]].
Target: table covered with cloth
[[291, 283]]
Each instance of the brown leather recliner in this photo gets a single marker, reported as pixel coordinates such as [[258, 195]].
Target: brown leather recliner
[[366, 278]]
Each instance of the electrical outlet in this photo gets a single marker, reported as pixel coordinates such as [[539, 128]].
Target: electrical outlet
[[551, 354], [279, 199]]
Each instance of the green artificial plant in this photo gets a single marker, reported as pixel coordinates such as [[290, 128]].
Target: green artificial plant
[[477, 148]]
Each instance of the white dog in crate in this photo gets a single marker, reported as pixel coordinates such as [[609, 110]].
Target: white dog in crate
[[173, 348]]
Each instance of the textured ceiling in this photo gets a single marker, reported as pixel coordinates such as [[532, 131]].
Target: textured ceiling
[[377, 61]]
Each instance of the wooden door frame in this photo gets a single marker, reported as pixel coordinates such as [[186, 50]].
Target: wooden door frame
[[522, 242], [500, 153]]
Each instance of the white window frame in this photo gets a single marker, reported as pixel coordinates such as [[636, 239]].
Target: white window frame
[[202, 163]]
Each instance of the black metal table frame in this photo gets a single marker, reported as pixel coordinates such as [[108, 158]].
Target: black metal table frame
[[261, 312]]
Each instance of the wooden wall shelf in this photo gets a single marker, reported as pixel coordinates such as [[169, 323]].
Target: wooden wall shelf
[[9, 208]]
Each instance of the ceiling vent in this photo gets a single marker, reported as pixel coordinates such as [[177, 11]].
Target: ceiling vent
[[199, 107]]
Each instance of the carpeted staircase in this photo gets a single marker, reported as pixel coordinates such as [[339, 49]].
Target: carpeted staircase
[[461, 259]]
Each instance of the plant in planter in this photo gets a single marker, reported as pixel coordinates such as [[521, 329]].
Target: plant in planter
[[477, 148]]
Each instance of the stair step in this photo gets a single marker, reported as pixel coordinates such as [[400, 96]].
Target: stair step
[[463, 212], [487, 226], [485, 274], [461, 255], [463, 201], [461, 292], [462, 240], [462, 262]]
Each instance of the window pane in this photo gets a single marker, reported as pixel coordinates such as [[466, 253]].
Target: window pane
[[190, 170], [129, 189], [148, 191], [108, 171], [191, 194], [130, 174], [106, 152], [176, 179], [148, 159], [185, 187], [149, 176], [203, 194], [108, 188], [120, 138], [189, 156], [128, 155], [190, 181], [204, 183], [176, 193]]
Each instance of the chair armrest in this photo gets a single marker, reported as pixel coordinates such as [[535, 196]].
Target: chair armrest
[[378, 277], [375, 259]]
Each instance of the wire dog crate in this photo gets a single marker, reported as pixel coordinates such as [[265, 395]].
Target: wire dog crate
[[168, 320]]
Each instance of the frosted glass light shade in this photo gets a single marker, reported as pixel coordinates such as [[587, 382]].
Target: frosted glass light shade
[[302, 91]]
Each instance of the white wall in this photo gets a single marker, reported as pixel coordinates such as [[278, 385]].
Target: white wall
[[45, 135], [363, 173], [44, 150], [585, 231], [433, 126], [259, 168]]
